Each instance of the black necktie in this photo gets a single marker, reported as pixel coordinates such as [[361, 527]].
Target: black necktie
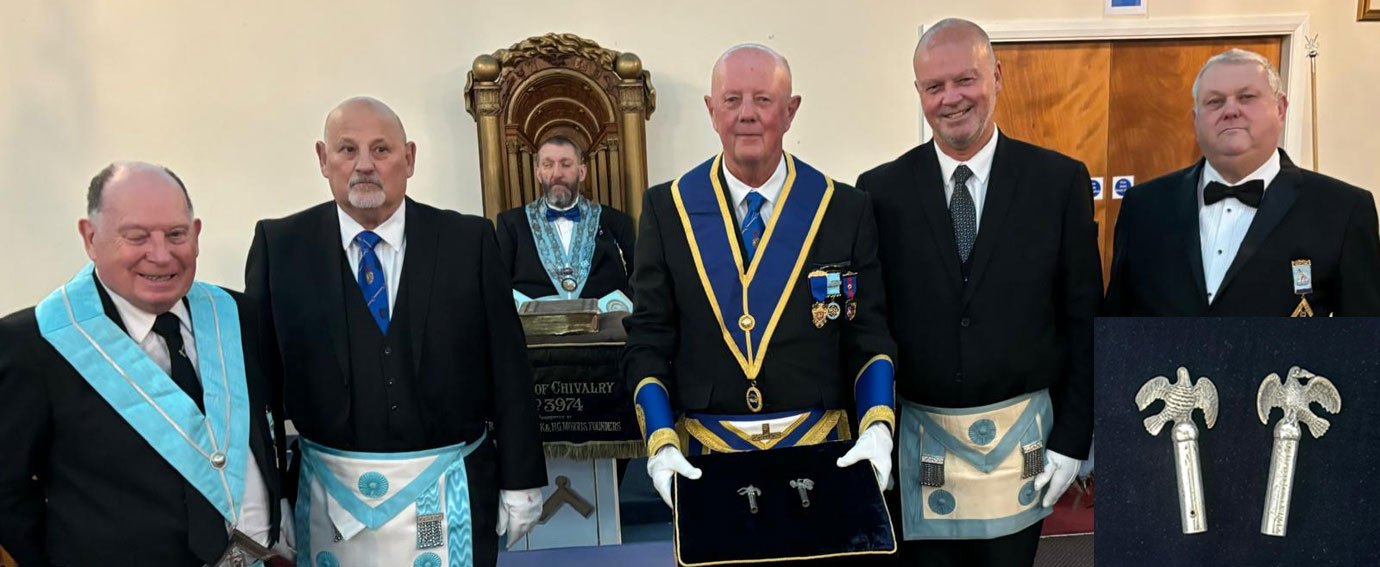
[[1249, 193], [964, 213], [168, 327]]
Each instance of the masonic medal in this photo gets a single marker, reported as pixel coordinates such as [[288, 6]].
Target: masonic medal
[[834, 310], [819, 289], [1301, 274], [568, 284], [754, 398], [1180, 399], [850, 289]]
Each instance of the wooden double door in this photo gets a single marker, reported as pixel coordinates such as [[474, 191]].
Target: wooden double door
[[1123, 107]]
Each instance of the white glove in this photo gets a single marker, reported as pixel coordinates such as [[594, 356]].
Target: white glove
[[875, 446], [1059, 474], [518, 511], [667, 463]]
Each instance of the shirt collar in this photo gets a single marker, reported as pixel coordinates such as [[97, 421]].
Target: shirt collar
[[770, 190], [391, 231], [1265, 173], [980, 164], [139, 323]]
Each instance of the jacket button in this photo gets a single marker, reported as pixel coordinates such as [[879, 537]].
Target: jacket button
[[963, 322], [394, 408], [387, 350]]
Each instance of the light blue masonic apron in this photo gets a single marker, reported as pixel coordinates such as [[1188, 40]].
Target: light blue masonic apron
[[211, 451], [968, 473], [357, 509]]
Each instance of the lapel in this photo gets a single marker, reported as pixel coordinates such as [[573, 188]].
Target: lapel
[[325, 270], [419, 265], [929, 183], [733, 209], [108, 305], [1185, 223], [1001, 189], [1279, 198]]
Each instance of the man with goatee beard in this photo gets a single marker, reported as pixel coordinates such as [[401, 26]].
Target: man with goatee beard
[[398, 345], [562, 245]]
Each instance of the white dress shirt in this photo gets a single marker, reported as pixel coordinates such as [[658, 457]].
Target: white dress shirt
[[1223, 225], [391, 248], [771, 191], [254, 515], [564, 226], [981, 166]]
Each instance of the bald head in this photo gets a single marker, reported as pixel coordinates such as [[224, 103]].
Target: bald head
[[751, 57], [957, 30], [356, 106], [95, 192]]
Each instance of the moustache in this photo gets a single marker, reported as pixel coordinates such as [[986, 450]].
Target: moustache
[[359, 180]]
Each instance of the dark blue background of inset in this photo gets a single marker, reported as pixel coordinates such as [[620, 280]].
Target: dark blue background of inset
[[1335, 513]]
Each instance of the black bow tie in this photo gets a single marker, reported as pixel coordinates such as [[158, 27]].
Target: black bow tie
[[1249, 193]]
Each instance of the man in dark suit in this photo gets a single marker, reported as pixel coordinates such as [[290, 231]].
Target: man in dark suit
[[562, 245], [990, 256], [135, 409], [759, 297], [398, 342], [1244, 232]]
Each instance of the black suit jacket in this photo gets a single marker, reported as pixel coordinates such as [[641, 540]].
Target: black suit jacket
[[674, 335], [469, 356], [1157, 269], [1023, 320], [103, 495], [609, 269]]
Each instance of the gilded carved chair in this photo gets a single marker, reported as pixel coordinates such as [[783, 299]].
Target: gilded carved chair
[[561, 84]]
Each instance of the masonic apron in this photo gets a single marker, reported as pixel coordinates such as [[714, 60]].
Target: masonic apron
[[969, 473], [357, 508]]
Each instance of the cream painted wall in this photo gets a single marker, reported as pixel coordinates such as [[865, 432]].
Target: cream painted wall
[[232, 95]]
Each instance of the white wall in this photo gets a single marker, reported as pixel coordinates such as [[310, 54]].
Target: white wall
[[232, 95]]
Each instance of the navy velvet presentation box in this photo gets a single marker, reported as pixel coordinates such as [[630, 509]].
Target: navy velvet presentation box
[[846, 516]]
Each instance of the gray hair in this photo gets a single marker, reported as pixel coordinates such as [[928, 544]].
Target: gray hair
[[780, 59], [958, 23], [1241, 57], [96, 189]]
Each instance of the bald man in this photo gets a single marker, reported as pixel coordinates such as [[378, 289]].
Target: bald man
[[992, 268], [759, 316], [394, 327], [134, 403]]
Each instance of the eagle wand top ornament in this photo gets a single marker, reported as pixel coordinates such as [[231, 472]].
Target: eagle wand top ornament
[[1180, 399], [1294, 397]]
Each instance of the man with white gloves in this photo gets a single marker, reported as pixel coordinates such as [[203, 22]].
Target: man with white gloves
[[760, 307]]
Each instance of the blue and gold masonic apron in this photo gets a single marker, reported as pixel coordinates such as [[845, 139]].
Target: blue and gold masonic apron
[[969, 473], [748, 300], [358, 508], [210, 451]]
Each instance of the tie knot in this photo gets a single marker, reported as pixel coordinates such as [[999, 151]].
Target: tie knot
[[367, 239], [168, 326], [754, 201], [961, 175]]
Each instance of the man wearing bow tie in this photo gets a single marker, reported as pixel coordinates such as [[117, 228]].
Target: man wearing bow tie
[[564, 246], [1244, 232]]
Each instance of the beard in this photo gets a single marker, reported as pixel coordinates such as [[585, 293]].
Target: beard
[[558, 194], [366, 193]]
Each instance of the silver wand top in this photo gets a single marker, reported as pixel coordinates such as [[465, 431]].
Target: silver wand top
[[1291, 395], [1180, 399]]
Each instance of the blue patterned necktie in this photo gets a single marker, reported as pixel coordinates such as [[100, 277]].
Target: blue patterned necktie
[[963, 212], [371, 280], [753, 226]]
